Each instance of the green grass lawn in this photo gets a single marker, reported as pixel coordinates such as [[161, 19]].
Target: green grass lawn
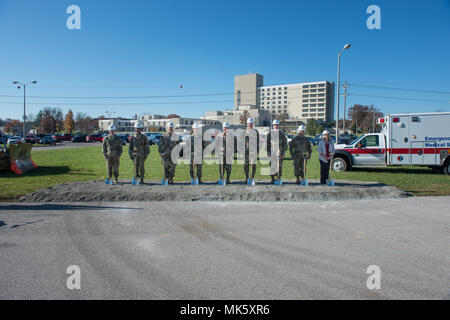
[[80, 164]]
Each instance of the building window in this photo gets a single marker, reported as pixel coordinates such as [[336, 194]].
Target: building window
[[305, 101], [313, 86], [321, 85], [321, 100], [313, 90], [305, 86], [305, 91], [312, 100], [312, 95], [285, 88]]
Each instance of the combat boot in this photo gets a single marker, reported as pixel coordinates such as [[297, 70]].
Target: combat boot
[[228, 180], [116, 181], [200, 181], [170, 180], [142, 180], [298, 180], [273, 180]]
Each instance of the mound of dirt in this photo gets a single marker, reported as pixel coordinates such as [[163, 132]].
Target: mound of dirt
[[236, 191]]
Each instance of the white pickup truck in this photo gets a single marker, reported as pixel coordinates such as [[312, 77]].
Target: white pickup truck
[[421, 139]]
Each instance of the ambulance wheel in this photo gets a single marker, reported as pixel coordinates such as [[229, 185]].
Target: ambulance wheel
[[339, 164], [447, 167]]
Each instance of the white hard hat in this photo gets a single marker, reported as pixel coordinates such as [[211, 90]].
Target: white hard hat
[[250, 120], [170, 125], [325, 132], [112, 128], [301, 128], [225, 125], [195, 126], [138, 125], [275, 122]]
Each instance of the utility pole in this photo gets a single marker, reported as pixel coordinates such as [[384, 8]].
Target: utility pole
[[374, 120], [345, 94]]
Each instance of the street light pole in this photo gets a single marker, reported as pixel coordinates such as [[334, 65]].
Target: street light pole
[[24, 104], [345, 94], [347, 46]]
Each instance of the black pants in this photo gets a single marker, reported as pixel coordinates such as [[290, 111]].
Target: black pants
[[324, 171]]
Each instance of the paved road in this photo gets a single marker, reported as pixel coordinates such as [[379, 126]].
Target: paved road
[[216, 250], [67, 145]]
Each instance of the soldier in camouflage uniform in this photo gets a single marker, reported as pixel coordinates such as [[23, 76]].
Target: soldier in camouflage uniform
[[139, 150], [300, 147], [281, 150], [196, 134], [168, 141], [112, 150], [248, 150], [225, 166]]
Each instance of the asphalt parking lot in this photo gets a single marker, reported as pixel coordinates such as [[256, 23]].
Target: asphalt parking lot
[[226, 250]]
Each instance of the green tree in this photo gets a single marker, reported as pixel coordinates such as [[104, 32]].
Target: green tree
[[319, 130], [311, 126]]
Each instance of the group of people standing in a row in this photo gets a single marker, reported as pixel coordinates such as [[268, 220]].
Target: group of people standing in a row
[[299, 147]]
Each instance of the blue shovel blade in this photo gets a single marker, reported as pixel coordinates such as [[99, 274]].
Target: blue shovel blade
[[106, 181], [253, 182], [280, 182], [196, 181], [219, 182], [330, 183], [192, 181]]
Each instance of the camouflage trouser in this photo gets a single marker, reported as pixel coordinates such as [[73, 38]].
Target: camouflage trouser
[[112, 164], [248, 166], [299, 170], [224, 168], [193, 165], [169, 168], [139, 166], [277, 171], [199, 170]]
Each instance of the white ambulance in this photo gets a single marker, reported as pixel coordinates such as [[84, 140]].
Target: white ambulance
[[421, 139]]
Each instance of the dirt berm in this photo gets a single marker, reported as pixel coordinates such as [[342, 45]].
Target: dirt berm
[[236, 191]]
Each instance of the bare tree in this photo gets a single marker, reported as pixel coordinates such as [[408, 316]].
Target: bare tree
[[244, 116]]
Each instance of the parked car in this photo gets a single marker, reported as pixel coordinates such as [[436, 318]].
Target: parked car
[[31, 138], [62, 137], [81, 138], [48, 140], [153, 137], [124, 139], [14, 140], [94, 137]]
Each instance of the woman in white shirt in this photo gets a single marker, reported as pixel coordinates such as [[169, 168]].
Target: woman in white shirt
[[326, 153]]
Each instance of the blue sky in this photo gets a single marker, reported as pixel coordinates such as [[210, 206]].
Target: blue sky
[[149, 48]]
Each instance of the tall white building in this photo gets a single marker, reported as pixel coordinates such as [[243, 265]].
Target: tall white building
[[299, 101]]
